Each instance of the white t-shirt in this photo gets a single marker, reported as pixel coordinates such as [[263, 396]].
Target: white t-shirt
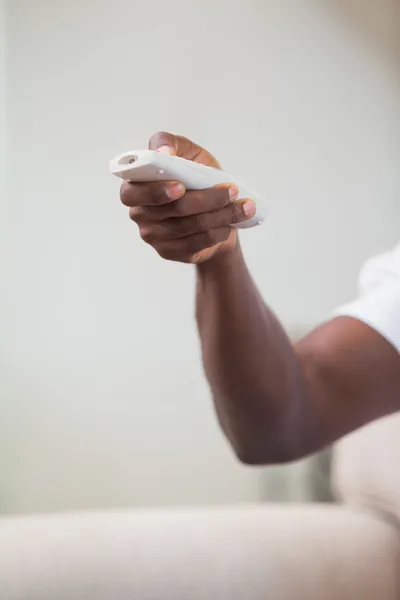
[[378, 304]]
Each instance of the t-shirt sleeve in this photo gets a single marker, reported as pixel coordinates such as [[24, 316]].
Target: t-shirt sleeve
[[378, 303]]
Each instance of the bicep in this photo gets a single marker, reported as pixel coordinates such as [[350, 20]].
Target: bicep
[[352, 377]]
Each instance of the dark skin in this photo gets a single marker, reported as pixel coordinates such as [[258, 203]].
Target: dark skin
[[276, 402]]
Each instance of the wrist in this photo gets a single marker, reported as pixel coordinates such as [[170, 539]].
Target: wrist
[[221, 262]]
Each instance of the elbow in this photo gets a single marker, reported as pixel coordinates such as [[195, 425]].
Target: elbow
[[271, 450], [270, 441], [271, 430], [262, 457]]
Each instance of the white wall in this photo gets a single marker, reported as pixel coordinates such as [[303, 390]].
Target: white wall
[[2, 100], [102, 395]]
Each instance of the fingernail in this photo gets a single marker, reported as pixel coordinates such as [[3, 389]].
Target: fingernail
[[249, 209], [175, 191], [165, 150], [233, 192]]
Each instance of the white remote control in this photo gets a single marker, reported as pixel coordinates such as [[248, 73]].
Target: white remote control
[[149, 165]]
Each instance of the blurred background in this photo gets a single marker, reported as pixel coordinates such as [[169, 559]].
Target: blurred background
[[103, 402]]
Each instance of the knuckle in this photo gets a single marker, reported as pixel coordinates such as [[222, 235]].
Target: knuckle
[[163, 252], [135, 214], [178, 208], [235, 214], [147, 234], [177, 228], [166, 251], [213, 199], [126, 194], [220, 197], [155, 232], [201, 223]]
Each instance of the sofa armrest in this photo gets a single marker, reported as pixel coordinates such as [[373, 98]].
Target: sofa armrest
[[282, 553]]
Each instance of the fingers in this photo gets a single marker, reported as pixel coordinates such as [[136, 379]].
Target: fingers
[[201, 201], [186, 249], [175, 228], [192, 203]]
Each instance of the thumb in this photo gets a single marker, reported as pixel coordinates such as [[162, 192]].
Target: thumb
[[164, 142], [176, 145]]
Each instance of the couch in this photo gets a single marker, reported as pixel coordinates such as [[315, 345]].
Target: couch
[[344, 551]]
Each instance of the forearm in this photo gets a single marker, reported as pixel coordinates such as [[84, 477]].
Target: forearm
[[255, 377], [275, 402]]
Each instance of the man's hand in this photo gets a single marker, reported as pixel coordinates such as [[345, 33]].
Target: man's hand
[[185, 226]]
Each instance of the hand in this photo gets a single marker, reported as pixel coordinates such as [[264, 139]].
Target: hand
[[185, 226]]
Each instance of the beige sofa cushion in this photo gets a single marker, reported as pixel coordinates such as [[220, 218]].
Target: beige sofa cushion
[[366, 467], [240, 553]]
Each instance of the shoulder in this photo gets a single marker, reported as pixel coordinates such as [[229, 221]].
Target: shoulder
[[378, 302]]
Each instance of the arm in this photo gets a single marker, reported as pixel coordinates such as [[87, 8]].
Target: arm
[[275, 402]]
